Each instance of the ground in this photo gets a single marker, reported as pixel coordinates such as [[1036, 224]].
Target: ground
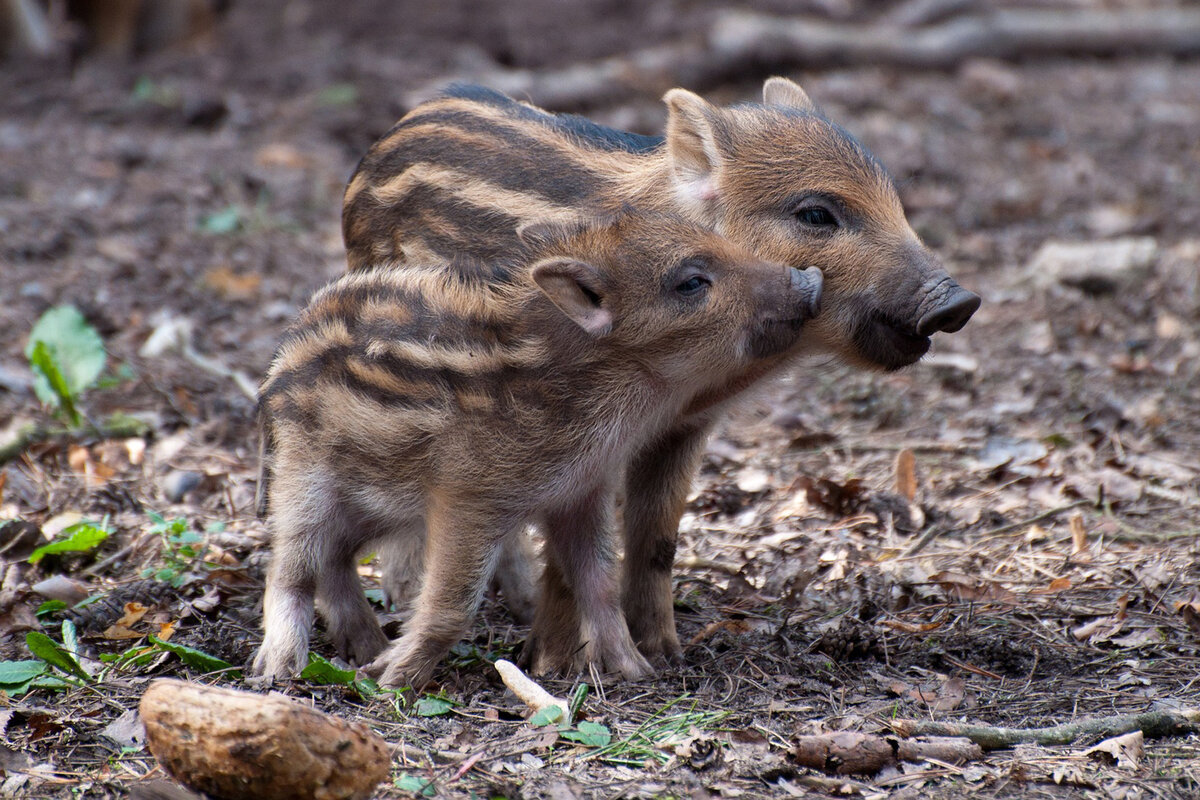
[[1036, 567]]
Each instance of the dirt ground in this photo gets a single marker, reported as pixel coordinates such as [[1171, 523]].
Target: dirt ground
[[1043, 572]]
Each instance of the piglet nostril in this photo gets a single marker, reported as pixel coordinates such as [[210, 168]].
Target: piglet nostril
[[951, 315], [810, 283]]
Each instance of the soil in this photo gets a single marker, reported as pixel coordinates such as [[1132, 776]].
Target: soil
[[1044, 570]]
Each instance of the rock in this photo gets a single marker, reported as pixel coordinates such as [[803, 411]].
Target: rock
[[178, 483], [1095, 267], [245, 746]]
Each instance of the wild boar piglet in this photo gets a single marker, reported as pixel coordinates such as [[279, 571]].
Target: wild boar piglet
[[460, 404]]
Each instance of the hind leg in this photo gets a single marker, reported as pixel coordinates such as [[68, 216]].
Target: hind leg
[[461, 550], [402, 563]]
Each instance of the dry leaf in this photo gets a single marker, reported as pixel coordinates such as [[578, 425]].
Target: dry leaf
[[133, 614], [231, 285], [1126, 750], [281, 154], [167, 629], [906, 474], [1079, 539]]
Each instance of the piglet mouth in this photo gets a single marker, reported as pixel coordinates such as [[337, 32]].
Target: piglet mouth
[[887, 342], [773, 336]]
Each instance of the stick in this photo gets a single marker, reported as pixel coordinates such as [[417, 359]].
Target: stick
[[1003, 34], [530, 693], [744, 43], [1156, 724]]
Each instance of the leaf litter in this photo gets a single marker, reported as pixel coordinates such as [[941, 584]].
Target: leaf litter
[[1004, 534]]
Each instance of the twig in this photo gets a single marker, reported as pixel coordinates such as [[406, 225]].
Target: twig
[[120, 427], [1003, 34], [1054, 512], [742, 43], [1156, 724], [529, 692]]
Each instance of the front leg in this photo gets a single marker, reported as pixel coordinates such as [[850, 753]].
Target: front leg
[[579, 621], [656, 488]]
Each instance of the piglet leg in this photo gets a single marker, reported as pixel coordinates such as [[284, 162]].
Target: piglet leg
[[581, 561], [462, 545], [656, 490]]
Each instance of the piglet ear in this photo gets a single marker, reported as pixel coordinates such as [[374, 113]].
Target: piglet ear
[[783, 92], [577, 289], [692, 147]]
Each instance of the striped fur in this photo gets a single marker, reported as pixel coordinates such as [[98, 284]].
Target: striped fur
[[410, 404], [458, 176]]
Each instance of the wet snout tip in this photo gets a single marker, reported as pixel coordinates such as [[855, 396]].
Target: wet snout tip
[[951, 315], [810, 283]]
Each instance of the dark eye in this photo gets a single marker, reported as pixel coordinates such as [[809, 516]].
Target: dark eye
[[693, 286], [817, 216]]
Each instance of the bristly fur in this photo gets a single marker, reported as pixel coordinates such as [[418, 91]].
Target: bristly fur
[[412, 405], [459, 176]]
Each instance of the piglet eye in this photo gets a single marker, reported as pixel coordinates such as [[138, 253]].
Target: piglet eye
[[817, 217], [693, 286]]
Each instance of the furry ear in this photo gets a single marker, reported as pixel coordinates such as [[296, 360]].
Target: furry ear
[[783, 92], [577, 289], [692, 146]]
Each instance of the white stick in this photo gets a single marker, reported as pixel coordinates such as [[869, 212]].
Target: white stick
[[529, 692]]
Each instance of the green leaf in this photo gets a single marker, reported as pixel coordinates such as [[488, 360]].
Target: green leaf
[[15, 674], [433, 706], [415, 785], [49, 607], [227, 220], [70, 638], [196, 659], [47, 650], [321, 671], [71, 346], [592, 734], [49, 383], [573, 708], [545, 716], [338, 94], [80, 538]]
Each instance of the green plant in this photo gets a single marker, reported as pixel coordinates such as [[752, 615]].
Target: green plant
[[646, 743], [321, 671], [67, 356], [182, 548], [78, 538]]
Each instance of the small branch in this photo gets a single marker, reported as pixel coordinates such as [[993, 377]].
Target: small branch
[[529, 692], [1045, 515], [742, 43], [1157, 724], [121, 427]]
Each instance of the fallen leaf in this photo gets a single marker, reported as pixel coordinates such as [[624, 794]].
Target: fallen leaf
[[1079, 537], [906, 474], [281, 154], [126, 730], [231, 285], [60, 587], [133, 614], [1125, 751]]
